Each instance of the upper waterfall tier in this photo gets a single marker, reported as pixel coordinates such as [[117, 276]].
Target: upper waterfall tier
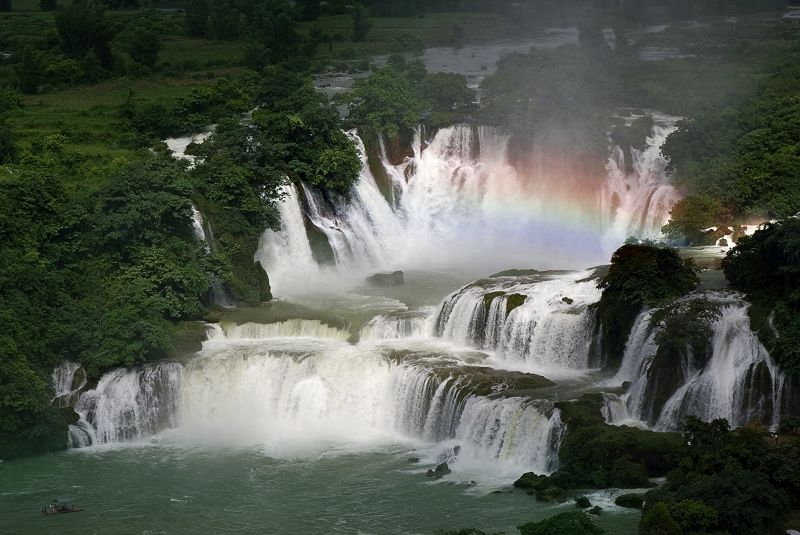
[[459, 202]]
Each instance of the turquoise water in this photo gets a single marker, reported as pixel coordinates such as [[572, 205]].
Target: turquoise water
[[150, 489]]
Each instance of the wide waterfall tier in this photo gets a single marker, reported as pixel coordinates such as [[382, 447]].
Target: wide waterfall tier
[[459, 201], [288, 395], [734, 378], [542, 320]]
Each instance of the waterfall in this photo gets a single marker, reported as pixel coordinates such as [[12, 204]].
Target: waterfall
[[67, 379], [219, 295], [286, 254], [549, 328], [285, 329], [740, 382], [398, 325], [637, 203], [130, 404], [458, 200], [293, 394]]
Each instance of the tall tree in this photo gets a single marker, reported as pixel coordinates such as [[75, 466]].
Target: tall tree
[[82, 26], [361, 23], [197, 13]]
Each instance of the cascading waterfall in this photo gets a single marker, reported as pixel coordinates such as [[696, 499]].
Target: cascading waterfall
[[287, 394], [292, 328], [130, 404], [458, 200], [740, 382], [637, 203], [549, 328], [399, 325]]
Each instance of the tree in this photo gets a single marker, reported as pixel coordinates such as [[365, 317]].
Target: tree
[[386, 103], [9, 101], [142, 42], [361, 23], [573, 523], [197, 13], [5, 5], [82, 27], [765, 265], [48, 5]]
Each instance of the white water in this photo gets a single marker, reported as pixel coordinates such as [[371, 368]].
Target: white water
[[130, 404], [459, 202], [63, 378], [293, 328], [546, 333], [722, 388], [638, 203], [399, 325], [255, 386]]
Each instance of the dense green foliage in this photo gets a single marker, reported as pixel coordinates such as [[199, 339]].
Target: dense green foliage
[[739, 164], [597, 455], [725, 482], [767, 267], [573, 523], [640, 275], [94, 274]]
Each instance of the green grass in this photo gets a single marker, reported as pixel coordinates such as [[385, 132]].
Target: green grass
[[87, 115], [434, 29]]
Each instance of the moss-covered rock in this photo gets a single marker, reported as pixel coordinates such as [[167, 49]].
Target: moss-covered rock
[[550, 494], [582, 502], [597, 455], [513, 301], [640, 275], [187, 338], [631, 501], [485, 381], [515, 273]]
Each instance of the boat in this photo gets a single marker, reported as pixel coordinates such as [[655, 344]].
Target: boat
[[60, 507]]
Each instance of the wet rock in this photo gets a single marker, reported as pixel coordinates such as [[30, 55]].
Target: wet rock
[[529, 480], [567, 300], [551, 495], [440, 471], [596, 510], [582, 502], [413, 460], [386, 279], [515, 273], [631, 501]]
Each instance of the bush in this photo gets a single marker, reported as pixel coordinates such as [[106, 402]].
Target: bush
[[574, 523], [631, 501], [640, 275]]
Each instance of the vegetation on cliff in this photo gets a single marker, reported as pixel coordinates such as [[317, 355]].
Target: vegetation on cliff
[[640, 275], [767, 267], [725, 482], [741, 163]]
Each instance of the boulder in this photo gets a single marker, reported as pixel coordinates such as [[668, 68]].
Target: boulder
[[440, 471], [567, 300], [631, 501], [582, 502], [386, 279]]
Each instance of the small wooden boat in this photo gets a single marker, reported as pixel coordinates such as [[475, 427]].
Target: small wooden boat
[[60, 507]]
